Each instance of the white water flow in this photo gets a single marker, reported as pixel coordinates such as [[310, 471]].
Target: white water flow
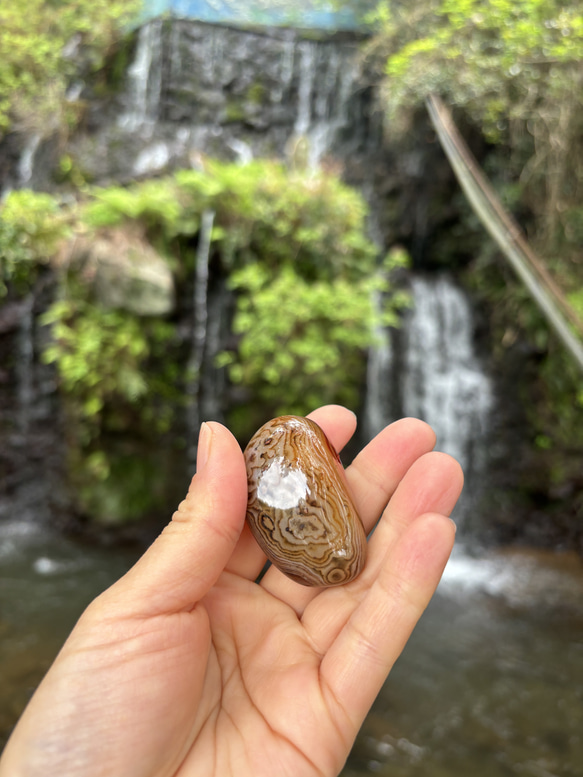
[[443, 382], [26, 162], [199, 333], [25, 367], [430, 370], [307, 50], [310, 85], [286, 71], [331, 107], [326, 80], [145, 79]]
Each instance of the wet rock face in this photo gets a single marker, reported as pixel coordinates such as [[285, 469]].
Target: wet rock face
[[196, 89], [192, 90]]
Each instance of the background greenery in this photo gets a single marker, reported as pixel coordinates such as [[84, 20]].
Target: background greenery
[[511, 71], [293, 249], [293, 246], [46, 45]]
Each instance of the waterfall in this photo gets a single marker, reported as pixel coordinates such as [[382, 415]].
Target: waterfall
[[26, 163], [327, 78], [22, 175], [443, 381], [213, 55], [429, 370], [307, 51], [25, 367], [205, 379], [195, 88], [199, 333], [145, 79], [286, 70]]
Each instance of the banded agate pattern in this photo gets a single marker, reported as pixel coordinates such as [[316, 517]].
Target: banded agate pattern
[[300, 510]]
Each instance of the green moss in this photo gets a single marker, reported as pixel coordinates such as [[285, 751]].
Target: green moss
[[69, 172], [256, 94], [234, 112]]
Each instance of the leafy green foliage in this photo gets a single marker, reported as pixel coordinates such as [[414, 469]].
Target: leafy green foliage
[[153, 203], [37, 39], [292, 247], [111, 487], [264, 211], [498, 59], [113, 379], [99, 355], [301, 343], [511, 69], [295, 247], [31, 227], [261, 210]]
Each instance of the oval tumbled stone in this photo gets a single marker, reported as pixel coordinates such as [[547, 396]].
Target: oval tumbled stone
[[299, 509]]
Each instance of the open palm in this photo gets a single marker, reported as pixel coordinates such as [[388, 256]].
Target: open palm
[[187, 667]]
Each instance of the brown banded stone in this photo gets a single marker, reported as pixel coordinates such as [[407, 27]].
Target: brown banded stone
[[300, 510]]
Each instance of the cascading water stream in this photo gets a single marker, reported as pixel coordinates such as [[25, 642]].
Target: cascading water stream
[[25, 368], [199, 334], [429, 370], [325, 85], [26, 162], [191, 92], [286, 71], [144, 79], [443, 380], [307, 51]]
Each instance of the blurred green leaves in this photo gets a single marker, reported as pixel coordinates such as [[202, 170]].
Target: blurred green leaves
[[511, 70], [302, 342], [293, 250], [494, 58], [100, 356], [42, 46], [32, 225]]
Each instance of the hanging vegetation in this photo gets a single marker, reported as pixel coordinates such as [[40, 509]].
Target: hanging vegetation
[[43, 45], [511, 71], [291, 246]]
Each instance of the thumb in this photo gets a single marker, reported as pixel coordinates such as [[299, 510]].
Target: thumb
[[185, 561]]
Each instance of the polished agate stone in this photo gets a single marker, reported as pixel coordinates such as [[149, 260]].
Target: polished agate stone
[[300, 510]]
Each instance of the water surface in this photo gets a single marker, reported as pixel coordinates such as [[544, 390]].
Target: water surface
[[490, 684], [46, 581]]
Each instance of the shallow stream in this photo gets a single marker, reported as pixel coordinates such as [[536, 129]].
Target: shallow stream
[[46, 581], [490, 684]]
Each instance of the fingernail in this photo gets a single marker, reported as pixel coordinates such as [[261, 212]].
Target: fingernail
[[205, 436]]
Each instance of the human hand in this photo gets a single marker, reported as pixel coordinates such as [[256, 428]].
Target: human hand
[[187, 667]]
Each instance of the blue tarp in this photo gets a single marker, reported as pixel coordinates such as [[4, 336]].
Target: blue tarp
[[306, 14]]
